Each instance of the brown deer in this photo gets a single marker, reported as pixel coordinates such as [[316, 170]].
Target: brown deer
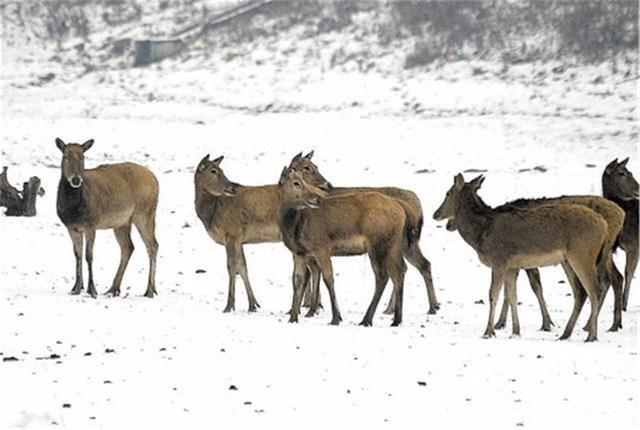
[[570, 235], [311, 174], [316, 227], [111, 196], [619, 186], [609, 274], [234, 215]]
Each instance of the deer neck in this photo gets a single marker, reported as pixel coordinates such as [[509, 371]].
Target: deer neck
[[473, 219], [71, 204], [290, 221], [206, 206]]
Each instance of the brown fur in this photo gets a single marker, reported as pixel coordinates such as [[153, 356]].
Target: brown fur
[[413, 210], [108, 197], [234, 215], [619, 186], [613, 216], [316, 227], [511, 240]]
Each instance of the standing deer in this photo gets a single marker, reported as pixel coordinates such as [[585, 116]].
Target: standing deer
[[608, 273], [316, 227], [111, 196], [570, 235], [619, 186], [310, 173], [234, 215]]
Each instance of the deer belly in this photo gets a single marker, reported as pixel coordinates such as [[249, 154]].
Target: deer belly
[[114, 219], [350, 246], [536, 260]]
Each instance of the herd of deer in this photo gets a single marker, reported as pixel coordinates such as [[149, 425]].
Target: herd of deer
[[317, 221]]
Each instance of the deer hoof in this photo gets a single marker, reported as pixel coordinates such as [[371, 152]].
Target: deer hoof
[[229, 308], [433, 310], [365, 323]]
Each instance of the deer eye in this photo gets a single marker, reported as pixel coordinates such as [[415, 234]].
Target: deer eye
[[297, 184], [307, 169], [214, 172]]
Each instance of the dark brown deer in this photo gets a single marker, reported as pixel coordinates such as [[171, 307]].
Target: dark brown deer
[[311, 174], [608, 273], [570, 235], [111, 196], [316, 227], [619, 186]]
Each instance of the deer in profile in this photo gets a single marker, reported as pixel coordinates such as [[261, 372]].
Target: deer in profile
[[607, 271], [413, 254], [508, 241], [619, 186], [111, 196], [316, 226]]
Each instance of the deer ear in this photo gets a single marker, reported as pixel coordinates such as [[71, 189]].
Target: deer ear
[[295, 159], [203, 163], [624, 162], [60, 144], [309, 155], [218, 160], [458, 181], [87, 145], [476, 183], [284, 175]]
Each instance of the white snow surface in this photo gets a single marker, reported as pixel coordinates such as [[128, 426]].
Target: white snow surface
[[176, 356]]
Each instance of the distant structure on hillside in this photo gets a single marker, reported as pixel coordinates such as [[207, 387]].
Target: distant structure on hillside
[[151, 51]]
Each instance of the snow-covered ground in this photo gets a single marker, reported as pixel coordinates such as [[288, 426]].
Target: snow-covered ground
[[170, 362]]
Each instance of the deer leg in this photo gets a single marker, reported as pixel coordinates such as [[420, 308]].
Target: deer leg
[[324, 262], [391, 306], [305, 286], [494, 291], [123, 236], [579, 298], [232, 259], [504, 312], [512, 296], [589, 278], [299, 272], [382, 277], [146, 226], [307, 290], [397, 272], [629, 270], [90, 234], [536, 286], [415, 257], [616, 283], [77, 238], [315, 288], [253, 303]]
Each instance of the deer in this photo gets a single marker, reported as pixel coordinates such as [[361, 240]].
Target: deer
[[508, 241], [608, 273], [316, 226], [619, 186], [311, 174], [234, 215], [111, 196]]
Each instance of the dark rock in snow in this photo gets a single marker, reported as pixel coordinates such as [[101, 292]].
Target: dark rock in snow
[[233, 388]]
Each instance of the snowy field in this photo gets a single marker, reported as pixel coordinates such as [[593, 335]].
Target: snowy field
[[173, 361]]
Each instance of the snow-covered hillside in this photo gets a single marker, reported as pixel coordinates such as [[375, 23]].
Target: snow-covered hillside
[[534, 129]]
